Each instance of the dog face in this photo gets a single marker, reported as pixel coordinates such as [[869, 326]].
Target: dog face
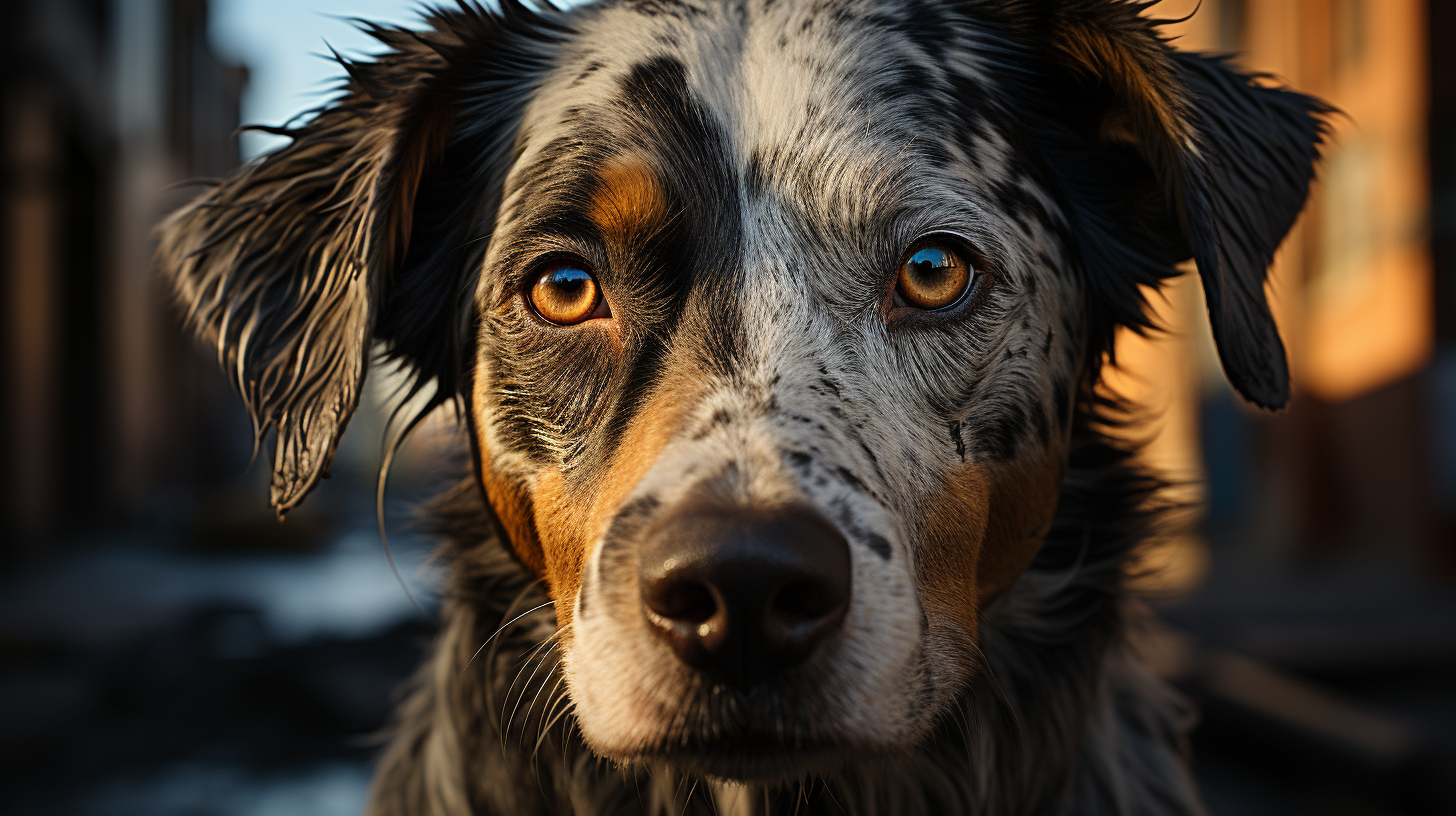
[[771, 354], [748, 339]]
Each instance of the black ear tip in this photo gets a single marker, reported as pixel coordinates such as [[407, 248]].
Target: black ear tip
[[1270, 398], [1249, 346], [1257, 369]]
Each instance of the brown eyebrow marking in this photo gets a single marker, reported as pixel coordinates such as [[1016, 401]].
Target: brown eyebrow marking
[[629, 201]]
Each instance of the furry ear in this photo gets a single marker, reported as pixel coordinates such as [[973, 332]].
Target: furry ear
[[293, 266], [1226, 161], [1245, 181]]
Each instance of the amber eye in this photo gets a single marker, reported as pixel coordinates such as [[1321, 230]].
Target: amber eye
[[934, 276], [567, 294]]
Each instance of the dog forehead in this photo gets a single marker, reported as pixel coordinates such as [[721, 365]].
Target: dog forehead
[[856, 83], [851, 117]]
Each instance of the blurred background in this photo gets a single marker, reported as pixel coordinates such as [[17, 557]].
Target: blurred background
[[167, 647]]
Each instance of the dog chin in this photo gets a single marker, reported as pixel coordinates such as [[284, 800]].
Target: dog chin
[[758, 760]]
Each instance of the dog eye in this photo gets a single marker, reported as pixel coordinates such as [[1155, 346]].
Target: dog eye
[[567, 294], [934, 276]]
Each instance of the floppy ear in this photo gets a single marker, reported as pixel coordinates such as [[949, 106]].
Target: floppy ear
[[353, 232], [1227, 163], [1245, 180]]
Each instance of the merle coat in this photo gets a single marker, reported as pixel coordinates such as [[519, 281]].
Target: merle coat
[[741, 195]]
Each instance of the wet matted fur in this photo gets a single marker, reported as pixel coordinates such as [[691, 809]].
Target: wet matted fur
[[746, 185]]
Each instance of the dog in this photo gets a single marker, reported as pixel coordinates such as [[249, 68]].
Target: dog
[[776, 329]]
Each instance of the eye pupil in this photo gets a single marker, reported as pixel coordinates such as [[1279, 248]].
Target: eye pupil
[[565, 294]]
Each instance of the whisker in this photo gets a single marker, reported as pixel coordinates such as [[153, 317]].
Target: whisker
[[503, 628], [561, 707], [527, 662], [539, 660], [829, 791], [544, 681], [687, 800]]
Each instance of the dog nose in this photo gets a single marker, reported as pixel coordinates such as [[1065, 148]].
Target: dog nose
[[741, 595]]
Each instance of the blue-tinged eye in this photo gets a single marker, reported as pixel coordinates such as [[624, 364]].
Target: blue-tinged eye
[[566, 294], [935, 276]]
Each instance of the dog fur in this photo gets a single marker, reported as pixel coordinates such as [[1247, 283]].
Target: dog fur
[[743, 179]]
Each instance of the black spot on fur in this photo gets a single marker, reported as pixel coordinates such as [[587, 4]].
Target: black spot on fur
[[626, 525], [855, 482], [879, 545], [657, 81], [845, 517], [644, 371], [955, 435], [997, 435], [869, 454], [591, 68], [719, 418], [676, 9], [800, 461]]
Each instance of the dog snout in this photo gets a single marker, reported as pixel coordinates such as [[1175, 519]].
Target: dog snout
[[741, 595]]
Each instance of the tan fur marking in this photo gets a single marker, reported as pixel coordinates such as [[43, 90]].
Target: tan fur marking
[[1023, 497], [982, 529], [565, 530], [512, 505], [629, 200], [955, 524], [568, 523], [506, 492]]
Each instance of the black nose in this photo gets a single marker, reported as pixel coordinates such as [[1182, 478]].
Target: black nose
[[743, 594]]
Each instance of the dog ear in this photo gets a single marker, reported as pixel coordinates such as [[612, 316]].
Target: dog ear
[[1227, 158], [298, 262], [1245, 180]]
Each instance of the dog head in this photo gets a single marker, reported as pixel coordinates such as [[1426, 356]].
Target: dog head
[[770, 318]]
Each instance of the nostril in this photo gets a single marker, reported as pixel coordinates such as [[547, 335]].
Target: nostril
[[682, 601]]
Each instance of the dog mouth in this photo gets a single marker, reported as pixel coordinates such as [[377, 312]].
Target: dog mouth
[[752, 756], [765, 734]]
